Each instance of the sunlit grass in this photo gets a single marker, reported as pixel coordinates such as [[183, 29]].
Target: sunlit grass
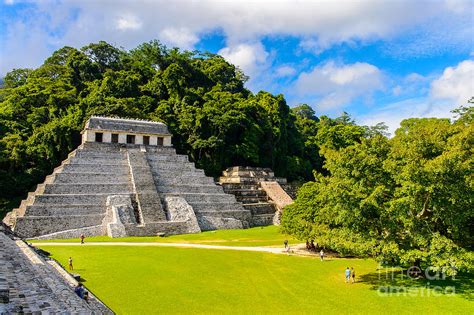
[[258, 236], [152, 280]]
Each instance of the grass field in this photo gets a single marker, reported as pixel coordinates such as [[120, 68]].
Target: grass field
[[148, 280], [258, 236]]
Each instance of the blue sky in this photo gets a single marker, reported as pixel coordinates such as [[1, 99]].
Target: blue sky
[[378, 60]]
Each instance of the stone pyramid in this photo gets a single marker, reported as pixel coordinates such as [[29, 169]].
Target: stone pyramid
[[258, 190], [126, 179]]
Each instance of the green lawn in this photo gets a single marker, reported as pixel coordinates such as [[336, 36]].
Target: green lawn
[[258, 236], [148, 280]]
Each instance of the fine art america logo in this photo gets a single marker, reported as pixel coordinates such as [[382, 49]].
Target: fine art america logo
[[405, 284]]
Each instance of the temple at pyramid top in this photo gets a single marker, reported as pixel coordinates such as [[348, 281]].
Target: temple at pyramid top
[[128, 131]]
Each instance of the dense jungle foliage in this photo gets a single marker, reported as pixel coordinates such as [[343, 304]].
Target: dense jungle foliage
[[407, 200]]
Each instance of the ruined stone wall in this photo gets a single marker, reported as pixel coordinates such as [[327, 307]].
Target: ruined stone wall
[[31, 284]]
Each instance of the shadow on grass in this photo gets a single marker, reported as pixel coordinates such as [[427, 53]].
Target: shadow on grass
[[399, 283]]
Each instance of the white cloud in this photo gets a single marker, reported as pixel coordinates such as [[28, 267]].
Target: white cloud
[[15, 53], [458, 6], [179, 37], [332, 85], [318, 24], [249, 57], [397, 90], [411, 85], [456, 84], [285, 71], [414, 77], [128, 23]]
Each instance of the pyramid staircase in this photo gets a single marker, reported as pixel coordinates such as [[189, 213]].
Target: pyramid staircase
[[175, 175]]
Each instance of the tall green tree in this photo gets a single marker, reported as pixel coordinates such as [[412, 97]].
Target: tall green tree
[[407, 200]]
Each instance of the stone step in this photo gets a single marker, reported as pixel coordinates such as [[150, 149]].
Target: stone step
[[248, 180], [100, 155], [161, 150], [191, 180], [66, 177], [251, 200], [231, 186], [177, 173], [190, 189], [93, 168], [204, 197], [215, 206], [76, 199], [262, 220], [33, 226], [63, 210], [260, 208], [246, 192], [39, 189], [236, 214], [98, 161], [103, 147], [168, 158], [172, 166], [108, 188]]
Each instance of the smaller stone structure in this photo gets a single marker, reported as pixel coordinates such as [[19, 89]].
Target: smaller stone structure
[[259, 191]]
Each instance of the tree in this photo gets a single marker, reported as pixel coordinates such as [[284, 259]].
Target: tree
[[406, 200], [16, 77], [104, 55]]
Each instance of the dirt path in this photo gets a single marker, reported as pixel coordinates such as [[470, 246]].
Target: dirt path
[[272, 250]]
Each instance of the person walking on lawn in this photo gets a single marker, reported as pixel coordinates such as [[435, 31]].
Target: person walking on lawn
[[348, 275]]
